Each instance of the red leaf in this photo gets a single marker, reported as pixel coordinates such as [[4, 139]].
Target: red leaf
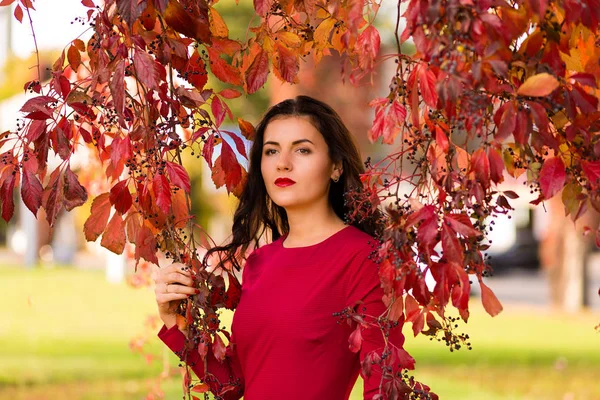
[[257, 73], [145, 246], [462, 224], [442, 139], [427, 80], [592, 172], [508, 121], [19, 13], [397, 309], [208, 149], [6, 197], [96, 222], [195, 71], [120, 197], [552, 177], [262, 6], [355, 339], [162, 191], [52, 196], [38, 103], [496, 166], [480, 165], [489, 300], [88, 3], [229, 163], [219, 348], [130, 10], [229, 93], [223, 71], [403, 359], [368, 44], [453, 250], [538, 85], [192, 22], [287, 64], [74, 194], [117, 90], [144, 69], [239, 144], [114, 237], [460, 289], [218, 110], [178, 176], [234, 292], [441, 291], [31, 191], [523, 127]]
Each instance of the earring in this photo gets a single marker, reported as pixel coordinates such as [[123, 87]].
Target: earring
[[336, 179]]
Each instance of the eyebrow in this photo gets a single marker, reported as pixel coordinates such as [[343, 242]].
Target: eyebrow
[[293, 143]]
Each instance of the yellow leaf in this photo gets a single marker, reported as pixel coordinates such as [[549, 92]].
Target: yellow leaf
[[322, 13], [268, 44], [573, 61], [322, 33], [538, 85], [290, 39], [218, 27]]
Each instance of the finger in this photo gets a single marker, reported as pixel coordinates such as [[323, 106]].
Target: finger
[[175, 277], [168, 297], [174, 288]]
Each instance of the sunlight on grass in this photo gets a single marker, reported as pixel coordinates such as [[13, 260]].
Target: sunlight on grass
[[65, 335]]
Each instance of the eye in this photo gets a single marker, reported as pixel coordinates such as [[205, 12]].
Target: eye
[[304, 151], [268, 152]]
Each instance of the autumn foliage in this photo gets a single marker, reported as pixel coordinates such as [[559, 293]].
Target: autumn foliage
[[495, 87]]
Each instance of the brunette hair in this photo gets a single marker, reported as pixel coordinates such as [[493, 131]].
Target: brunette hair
[[256, 212]]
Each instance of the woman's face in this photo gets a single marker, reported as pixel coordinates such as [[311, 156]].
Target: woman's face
[[294, 149]]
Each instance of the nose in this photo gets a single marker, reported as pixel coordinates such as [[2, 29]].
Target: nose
[[283, 162]]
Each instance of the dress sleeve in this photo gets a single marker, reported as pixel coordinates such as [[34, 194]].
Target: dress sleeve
[[364, 284], [227, 371]]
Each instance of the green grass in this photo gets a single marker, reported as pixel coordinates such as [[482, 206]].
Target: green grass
[[65, 333]]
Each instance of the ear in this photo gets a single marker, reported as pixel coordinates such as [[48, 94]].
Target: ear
[[337, 166]]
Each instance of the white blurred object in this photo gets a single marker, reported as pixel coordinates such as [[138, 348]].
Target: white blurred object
[[115, 267]]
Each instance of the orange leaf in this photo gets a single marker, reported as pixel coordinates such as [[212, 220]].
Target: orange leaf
[[223, 71], [114, 237], [323, 32], [247, 128], [201, 388], [489, 300], [538, 85], [218, 27], [74, 57], [96, 222]]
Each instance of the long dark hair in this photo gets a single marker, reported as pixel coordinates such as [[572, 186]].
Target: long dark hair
[[256, 213]]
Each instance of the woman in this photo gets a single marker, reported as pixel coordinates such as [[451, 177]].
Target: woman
[[286, 340]]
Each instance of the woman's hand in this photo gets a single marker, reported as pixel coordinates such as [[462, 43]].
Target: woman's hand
[[172, 285]]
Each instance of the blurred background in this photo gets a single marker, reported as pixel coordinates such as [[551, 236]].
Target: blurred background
[[78, 323]]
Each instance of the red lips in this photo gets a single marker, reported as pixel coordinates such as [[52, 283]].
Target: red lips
[[282, 182]]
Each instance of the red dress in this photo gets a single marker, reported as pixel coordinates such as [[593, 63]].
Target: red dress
[[286, 344]]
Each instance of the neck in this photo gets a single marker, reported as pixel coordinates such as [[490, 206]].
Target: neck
[[312, 225]]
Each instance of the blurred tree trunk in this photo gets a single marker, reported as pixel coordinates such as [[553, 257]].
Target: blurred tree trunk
[[564, 253]]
